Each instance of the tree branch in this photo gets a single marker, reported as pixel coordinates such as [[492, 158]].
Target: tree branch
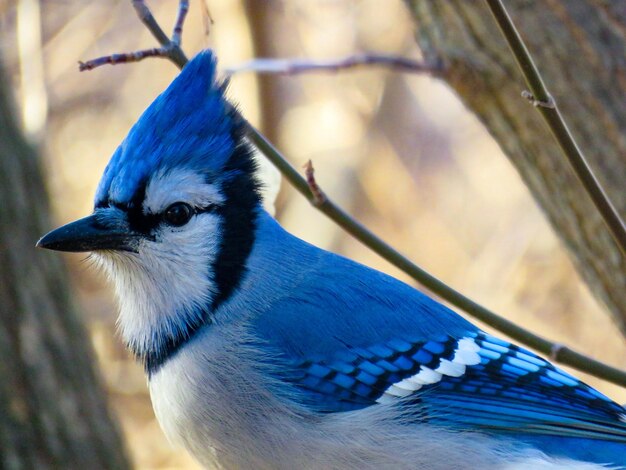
[[123, 58], [543, 101], [319, 200], [183, 8], [297, 66]]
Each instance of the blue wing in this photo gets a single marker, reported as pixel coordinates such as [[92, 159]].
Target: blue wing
[[371, 340], [476, 382]]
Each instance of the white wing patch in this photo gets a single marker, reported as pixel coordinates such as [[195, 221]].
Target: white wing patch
[[465, 354]]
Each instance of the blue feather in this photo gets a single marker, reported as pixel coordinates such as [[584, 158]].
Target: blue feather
[[189, 125]]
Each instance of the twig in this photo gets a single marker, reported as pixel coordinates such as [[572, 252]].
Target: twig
[[548, 108], [183, 8], [319, 197], [561, 354], [170, 48], [297, 66], [123, 58], [174, 52], [551, 104], [207, 19]]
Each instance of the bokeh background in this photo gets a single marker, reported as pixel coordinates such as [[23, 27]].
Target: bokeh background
[[398, 151]]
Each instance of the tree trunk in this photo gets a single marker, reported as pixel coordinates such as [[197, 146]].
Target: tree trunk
[[578, 46], [53, 412]]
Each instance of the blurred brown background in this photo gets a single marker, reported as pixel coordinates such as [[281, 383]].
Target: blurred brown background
[[399, 151]]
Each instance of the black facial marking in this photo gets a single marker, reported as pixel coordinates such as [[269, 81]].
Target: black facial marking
[[239, 218], [137, 220], [239, 214], [103, 203], [153, 359]]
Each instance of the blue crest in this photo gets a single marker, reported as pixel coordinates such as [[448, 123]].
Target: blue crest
[[189, 125]]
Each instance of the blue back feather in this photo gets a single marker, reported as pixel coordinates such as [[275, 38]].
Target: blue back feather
[[344, 304]]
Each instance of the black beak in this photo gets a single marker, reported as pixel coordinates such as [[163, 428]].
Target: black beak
[[105, 229]]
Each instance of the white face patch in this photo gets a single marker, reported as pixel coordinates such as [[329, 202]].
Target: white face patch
[[180, 185], [168, 284]]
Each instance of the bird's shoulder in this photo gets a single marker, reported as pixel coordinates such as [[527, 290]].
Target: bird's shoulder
[[352, 337], [346, 332], [339, 304]]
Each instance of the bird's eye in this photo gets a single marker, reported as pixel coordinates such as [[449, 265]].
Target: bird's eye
[[178, 214]]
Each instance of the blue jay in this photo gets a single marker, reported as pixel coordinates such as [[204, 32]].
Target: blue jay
[[264, 352]]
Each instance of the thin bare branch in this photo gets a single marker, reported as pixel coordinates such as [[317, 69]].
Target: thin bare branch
[[170, 48], [123, 58], [183, 8], [207, 19], [145, 15], [174, 52], [319, 197], [297, 66], [556, 351]]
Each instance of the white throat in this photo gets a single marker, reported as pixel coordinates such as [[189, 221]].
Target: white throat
[[161, 290], [169, 284]]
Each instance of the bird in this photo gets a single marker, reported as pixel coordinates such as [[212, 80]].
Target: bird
[[262, 351]]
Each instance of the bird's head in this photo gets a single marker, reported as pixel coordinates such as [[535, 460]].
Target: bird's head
[[175, 211]]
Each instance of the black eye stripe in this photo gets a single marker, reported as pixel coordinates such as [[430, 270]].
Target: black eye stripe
[[148, 223]]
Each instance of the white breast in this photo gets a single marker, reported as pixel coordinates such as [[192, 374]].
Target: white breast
[[209, 399], [186, 391]]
